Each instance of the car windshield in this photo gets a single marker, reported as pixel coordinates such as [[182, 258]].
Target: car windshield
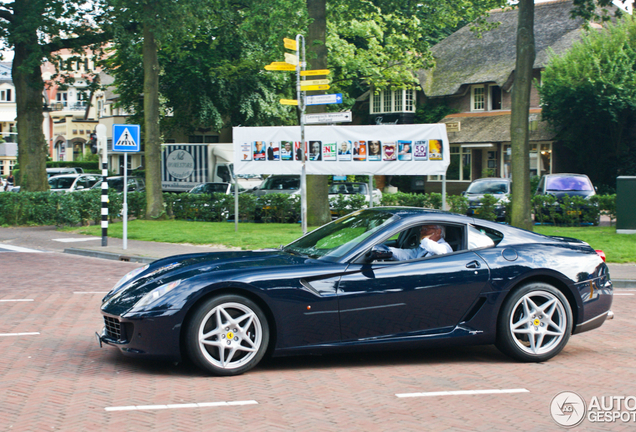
[[209, 188], [348, 188], [281, 183], [334, 240], [574, 183], [489, 187], [61, 182]]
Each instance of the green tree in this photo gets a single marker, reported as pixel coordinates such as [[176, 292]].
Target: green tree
[[589, 95], [35, 30], [144, 26], [520, 203]]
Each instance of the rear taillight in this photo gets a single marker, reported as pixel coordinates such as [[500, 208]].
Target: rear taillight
[[601, 254]]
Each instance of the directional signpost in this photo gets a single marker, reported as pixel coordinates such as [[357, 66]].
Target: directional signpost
[[297, 62], [126, 139], [337, 117]]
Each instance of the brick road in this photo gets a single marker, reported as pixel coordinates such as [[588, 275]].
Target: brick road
[[61, 379]]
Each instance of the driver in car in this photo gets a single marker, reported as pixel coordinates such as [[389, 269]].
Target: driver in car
[[432, 242]]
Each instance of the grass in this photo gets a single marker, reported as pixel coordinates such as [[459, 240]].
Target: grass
[[618, 248]]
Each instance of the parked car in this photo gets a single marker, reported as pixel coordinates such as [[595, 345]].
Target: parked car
[[249, 181], [210, 188], [50, 172], [351, 188], [336, 289], [498, 187], [72, 182], [287, 184], [560, 185], [135, 184]]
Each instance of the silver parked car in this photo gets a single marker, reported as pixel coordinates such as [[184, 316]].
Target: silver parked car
[[72, 182]]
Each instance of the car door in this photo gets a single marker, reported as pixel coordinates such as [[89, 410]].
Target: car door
[[390, 299]]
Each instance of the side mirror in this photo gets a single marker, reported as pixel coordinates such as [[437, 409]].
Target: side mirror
[[463, 193], [379, 252]]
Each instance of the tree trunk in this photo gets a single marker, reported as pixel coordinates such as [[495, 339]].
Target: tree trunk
[[32, 148], [317, 186], [152, 143], [519, 117]]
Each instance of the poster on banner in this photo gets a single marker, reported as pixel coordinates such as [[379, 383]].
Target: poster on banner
[[420, 149]]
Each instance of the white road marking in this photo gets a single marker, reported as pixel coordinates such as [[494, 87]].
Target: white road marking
[[16, 300], [176, 406], [20, 334], [78, 239], [461, 392], [16, 248], [90, 292], [622, 294]]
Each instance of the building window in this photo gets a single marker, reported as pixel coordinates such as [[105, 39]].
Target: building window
[[393, 101], [397, 102], [495, 97], [387, 101], [377, 103], [410, 106], [5, 95], [540, 159], [62, 98], [478, 98], [460, 165]]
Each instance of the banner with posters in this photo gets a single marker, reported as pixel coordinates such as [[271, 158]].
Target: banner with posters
[[420, 149]]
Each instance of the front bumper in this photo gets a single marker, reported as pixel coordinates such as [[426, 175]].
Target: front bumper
[[155, 337]]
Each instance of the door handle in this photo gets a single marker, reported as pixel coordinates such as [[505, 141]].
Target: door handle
[[473, 265]]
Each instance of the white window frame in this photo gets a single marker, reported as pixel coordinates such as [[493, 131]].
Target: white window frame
[[392, 101], [473, 98], [461, 151]]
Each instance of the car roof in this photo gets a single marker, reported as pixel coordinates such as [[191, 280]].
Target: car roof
[[490, 179], [565, 175]]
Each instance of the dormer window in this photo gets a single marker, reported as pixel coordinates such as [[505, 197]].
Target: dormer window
[[393, 101], [478, 98], [5, 95]]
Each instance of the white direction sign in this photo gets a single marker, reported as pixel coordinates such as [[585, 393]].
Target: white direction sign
[[337, 117], [335, 98], [126, 138]]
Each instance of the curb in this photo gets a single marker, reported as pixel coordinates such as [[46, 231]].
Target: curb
[[624, 283], [109, 255]]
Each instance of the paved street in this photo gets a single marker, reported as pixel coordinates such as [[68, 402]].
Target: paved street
[[55, 377]]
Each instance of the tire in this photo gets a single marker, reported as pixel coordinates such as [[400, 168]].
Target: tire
[[534, 323], [227, 335]]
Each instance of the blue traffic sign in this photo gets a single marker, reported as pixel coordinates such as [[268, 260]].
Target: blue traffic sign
[[335, 98], [126, 138]]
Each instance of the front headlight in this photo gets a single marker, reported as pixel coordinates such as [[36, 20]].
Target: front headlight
[[129, 276], [155, 294]]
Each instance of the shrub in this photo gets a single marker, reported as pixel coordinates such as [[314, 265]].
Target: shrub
[[488, 205], [457, 203]]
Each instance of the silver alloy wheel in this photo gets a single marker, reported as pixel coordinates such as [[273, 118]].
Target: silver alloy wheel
[[230, 335], [538, 322]]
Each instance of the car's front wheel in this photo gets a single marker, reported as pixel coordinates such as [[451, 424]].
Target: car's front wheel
[[227, 335], [535, 323]]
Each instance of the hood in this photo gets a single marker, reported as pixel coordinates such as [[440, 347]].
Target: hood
[[215, 266], [560, 194], [474, 199]]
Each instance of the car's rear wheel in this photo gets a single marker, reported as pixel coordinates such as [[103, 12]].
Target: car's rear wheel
[[535, 323], [227, 335]]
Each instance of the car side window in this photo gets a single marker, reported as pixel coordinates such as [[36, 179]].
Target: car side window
[[478, 238]]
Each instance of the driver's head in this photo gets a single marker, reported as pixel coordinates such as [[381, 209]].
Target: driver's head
[[433, 232]]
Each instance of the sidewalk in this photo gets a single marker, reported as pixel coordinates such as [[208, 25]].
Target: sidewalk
[[48, 239]]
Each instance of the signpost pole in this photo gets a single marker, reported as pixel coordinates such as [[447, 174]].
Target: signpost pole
[[370, 191], [236, 204], [301, 108], [444, 206], [100, 131], [125, 206]]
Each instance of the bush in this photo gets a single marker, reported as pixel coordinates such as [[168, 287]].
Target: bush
[[488, 206], [432, 200], [457, 203]]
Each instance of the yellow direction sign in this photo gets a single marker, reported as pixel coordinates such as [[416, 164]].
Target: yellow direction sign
[[290, 44], [315, 72], [288, 101], [291, 58], [314, 87], [280, 67], [314, 82]]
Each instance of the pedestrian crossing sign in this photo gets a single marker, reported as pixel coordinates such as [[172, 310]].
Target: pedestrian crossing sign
[[126, 138]]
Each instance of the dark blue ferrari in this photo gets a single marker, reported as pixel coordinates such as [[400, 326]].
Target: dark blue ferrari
[[359, 283]]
